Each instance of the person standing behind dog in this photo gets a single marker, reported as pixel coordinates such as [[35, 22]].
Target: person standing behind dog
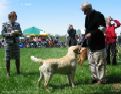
[[72, 36], [11, 31], [111, 37], [94, 33]]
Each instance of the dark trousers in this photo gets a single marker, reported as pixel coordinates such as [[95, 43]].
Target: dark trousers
[[72, 41], [12, 51], [17, 61], [111, 53]]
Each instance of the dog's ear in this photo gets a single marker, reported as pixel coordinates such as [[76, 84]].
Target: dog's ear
[[83, 50], [77, 49]]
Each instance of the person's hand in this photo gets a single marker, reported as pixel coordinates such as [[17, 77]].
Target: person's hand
[[112, 22], [9, 34], [12, 31], [15, 32], [101, 28], [104, 34], [87, 36], [110, 18]]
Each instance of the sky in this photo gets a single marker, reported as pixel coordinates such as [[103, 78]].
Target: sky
[[54, 16]]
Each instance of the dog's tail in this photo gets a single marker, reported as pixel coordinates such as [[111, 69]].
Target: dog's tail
[[33, 58]]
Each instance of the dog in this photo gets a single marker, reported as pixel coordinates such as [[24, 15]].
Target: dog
[[83, 55], [65, 65]]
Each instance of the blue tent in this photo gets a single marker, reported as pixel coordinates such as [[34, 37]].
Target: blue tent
[[32, 31]]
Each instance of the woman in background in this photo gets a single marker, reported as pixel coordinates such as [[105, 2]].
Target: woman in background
[[11, 31], [111, 37]]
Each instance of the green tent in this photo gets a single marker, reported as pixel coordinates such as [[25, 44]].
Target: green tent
[[32, 31]]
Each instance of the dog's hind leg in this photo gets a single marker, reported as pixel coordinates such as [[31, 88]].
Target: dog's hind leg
[[40, 78], [47, 77]]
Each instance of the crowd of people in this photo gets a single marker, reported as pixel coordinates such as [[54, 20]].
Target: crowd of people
[[37, 42]]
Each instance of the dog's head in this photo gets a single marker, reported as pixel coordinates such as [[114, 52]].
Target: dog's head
[[74, 49]]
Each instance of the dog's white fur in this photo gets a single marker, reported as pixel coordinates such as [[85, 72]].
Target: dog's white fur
[[65, 65]]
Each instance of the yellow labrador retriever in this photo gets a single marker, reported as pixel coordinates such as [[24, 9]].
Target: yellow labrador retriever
[[65, 65]]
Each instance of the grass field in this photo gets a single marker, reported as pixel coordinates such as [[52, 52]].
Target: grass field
[[26, 82]]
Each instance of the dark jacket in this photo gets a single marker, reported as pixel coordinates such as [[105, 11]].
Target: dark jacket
[[92, 22], [72, 39], [12, 49], [7, 29], [71, 33]]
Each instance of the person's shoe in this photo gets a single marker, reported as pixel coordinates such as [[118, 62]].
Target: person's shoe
[[114, 63], [18, 72], [8, 75], [108, 63], [94, 81], [101, 82]]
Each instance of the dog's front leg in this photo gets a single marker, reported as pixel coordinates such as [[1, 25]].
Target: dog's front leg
[[71, 80]]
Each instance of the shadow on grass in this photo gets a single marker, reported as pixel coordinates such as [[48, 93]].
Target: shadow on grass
[[26, 74], [114, 78], [59, 86], [83, 81], [63, 86], [106, 92], [119, 62]]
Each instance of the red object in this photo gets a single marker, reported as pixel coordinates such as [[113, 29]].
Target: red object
[[110, 35]]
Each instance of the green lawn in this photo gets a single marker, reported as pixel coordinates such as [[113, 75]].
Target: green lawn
[[26, 82]]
